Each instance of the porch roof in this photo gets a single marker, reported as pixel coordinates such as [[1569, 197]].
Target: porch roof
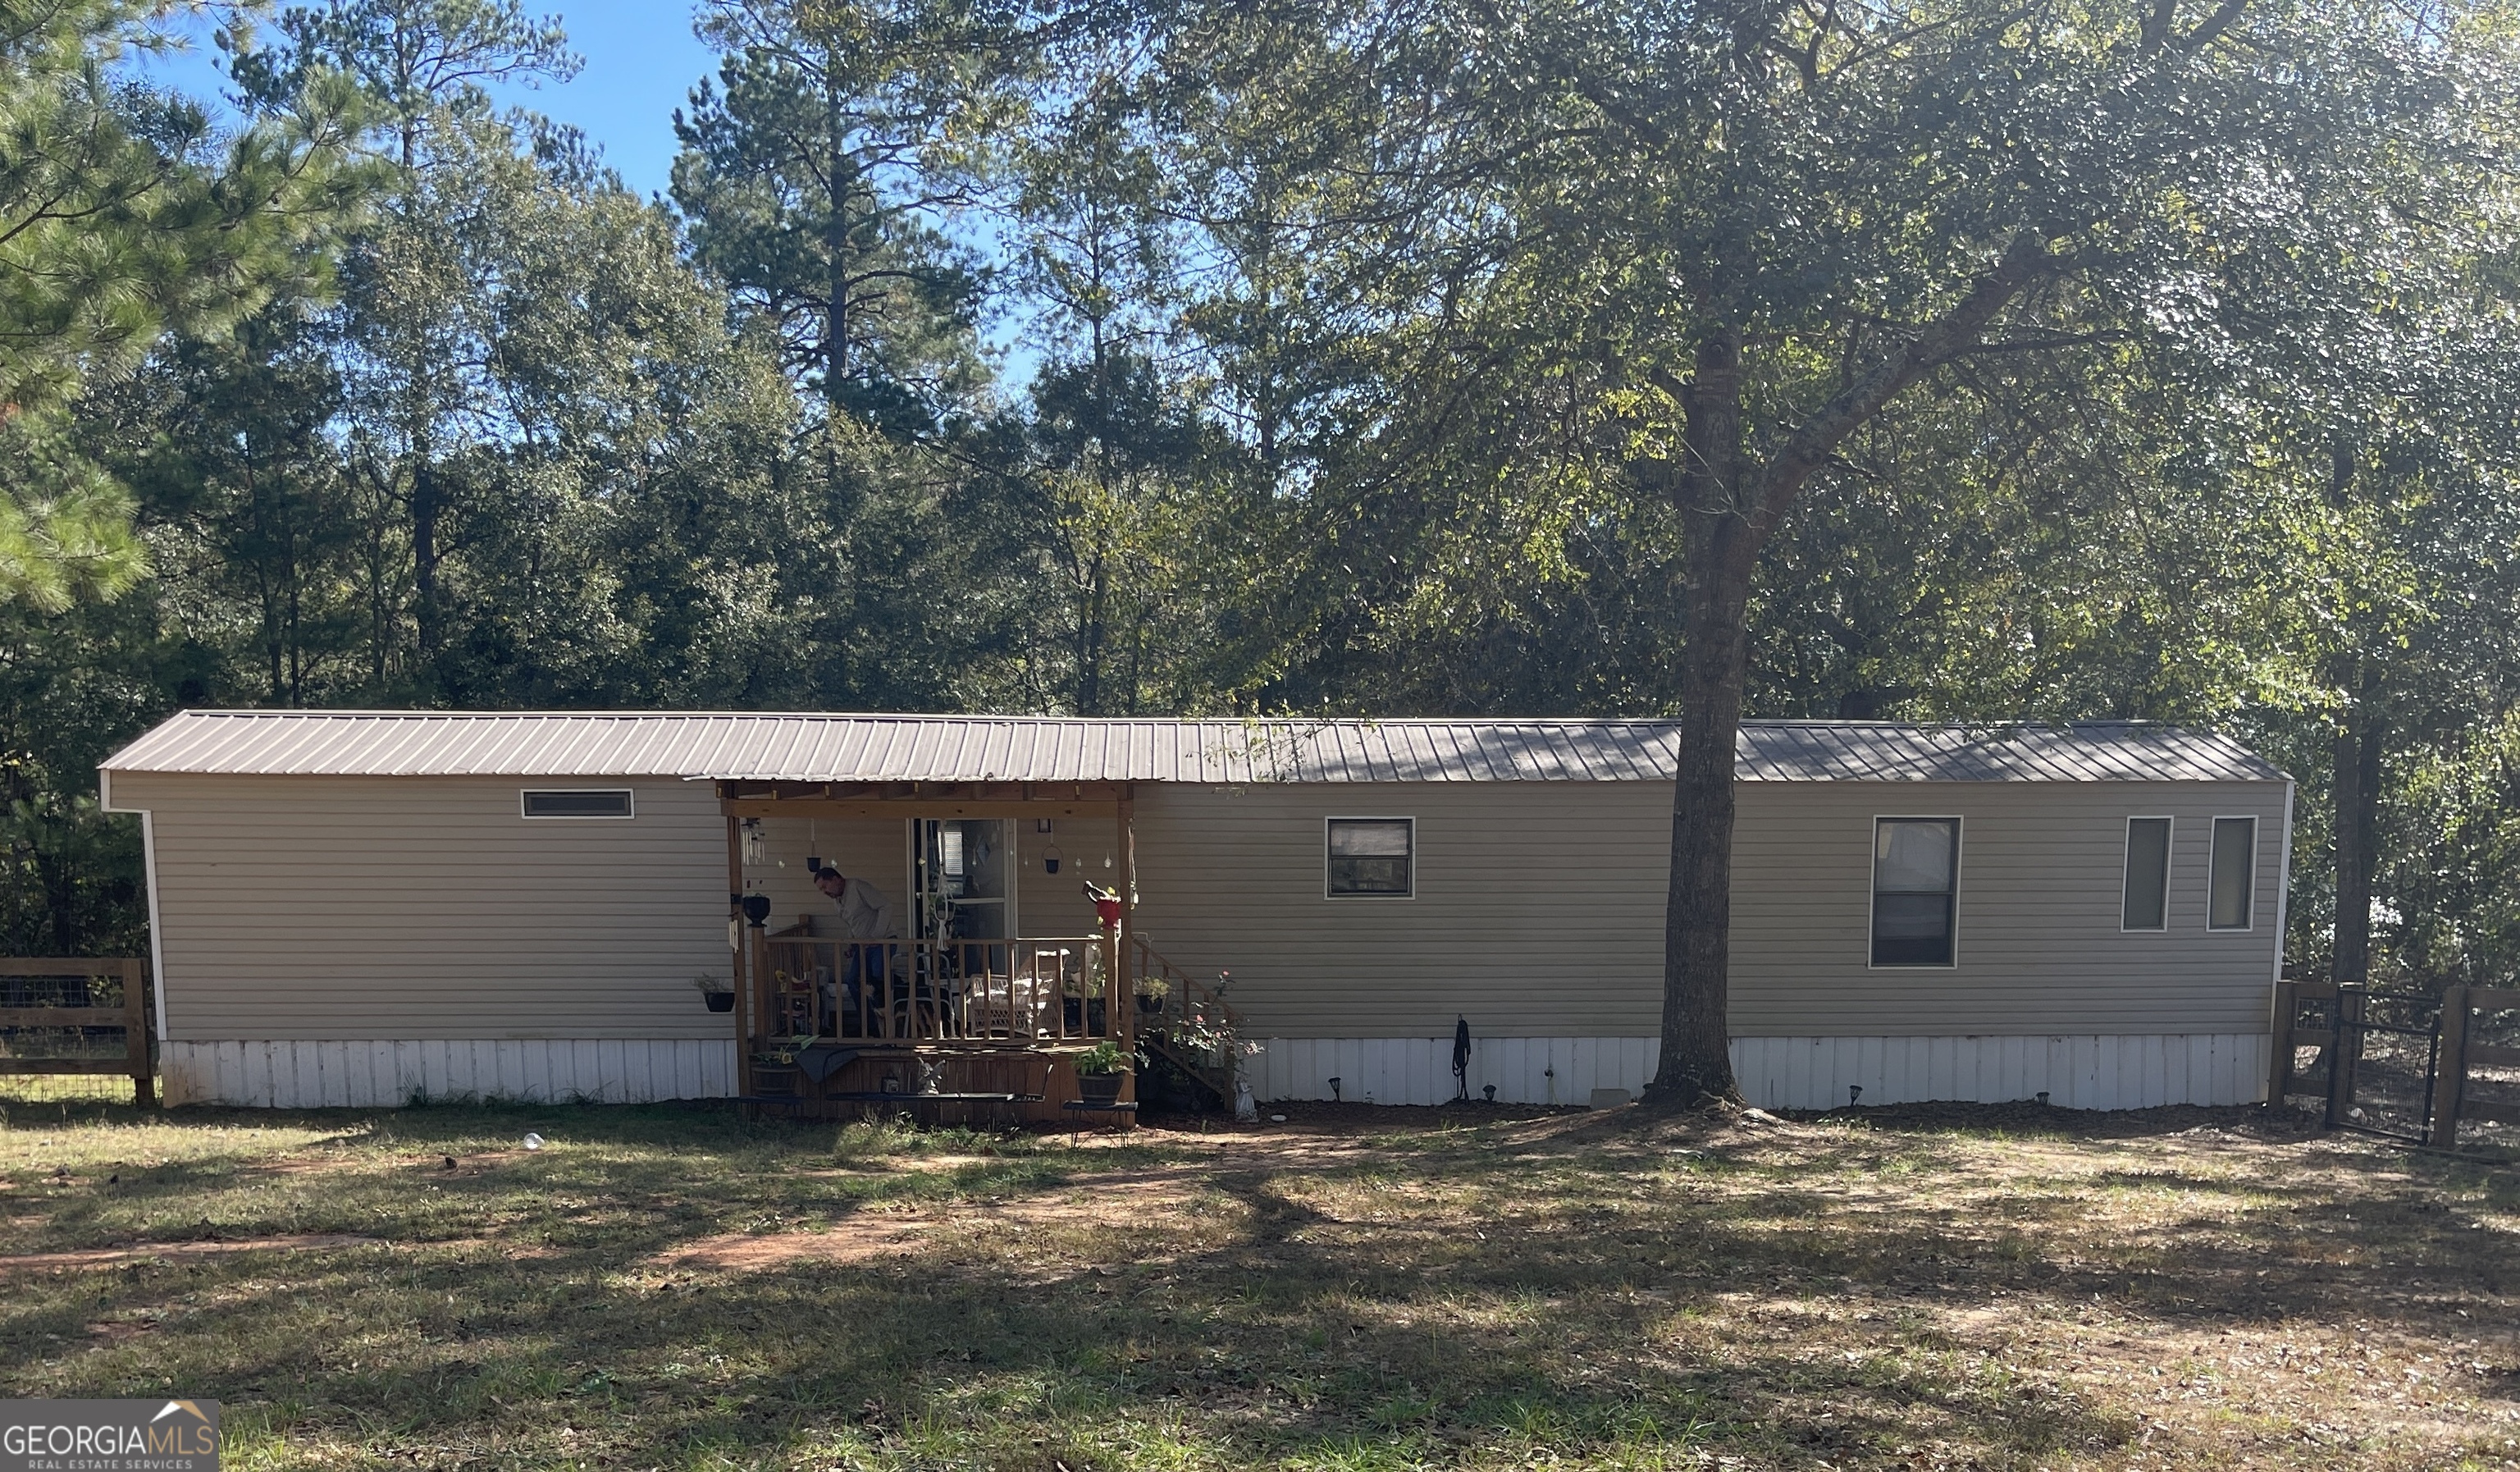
[[748, 747]]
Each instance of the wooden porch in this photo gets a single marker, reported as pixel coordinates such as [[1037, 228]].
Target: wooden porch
[[952, 1028]]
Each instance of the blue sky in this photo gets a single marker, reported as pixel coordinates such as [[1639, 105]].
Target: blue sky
[[642, 61]]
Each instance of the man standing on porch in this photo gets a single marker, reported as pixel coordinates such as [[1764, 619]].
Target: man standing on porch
[[866, 914]]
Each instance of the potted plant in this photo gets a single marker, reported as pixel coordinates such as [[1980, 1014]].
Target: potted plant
[[1099, 1071], [1151, 992], [719, 994]]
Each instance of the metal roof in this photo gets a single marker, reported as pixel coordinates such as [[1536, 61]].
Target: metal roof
[[2097, 751], [832, 748]]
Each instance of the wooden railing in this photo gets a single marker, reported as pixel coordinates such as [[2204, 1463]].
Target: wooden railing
[[1020, 992], [77, 1007]]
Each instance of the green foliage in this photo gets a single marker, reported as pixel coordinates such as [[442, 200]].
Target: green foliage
[[123, 216], [1360, 364], [1105, 1057], [817, 180]]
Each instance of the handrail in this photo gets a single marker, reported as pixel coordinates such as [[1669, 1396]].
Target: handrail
[[1183, 981], [1182, 984]]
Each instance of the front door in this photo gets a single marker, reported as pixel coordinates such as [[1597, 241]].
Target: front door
[[962, 878]]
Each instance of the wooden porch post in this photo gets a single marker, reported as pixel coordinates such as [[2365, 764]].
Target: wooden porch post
[[737, 957], [1124, 1001]]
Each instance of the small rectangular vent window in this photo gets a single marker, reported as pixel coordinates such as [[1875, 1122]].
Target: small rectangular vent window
[[579, 802], [1372, 856]]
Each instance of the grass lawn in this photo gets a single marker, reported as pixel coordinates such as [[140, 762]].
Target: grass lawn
[[675, 1287]]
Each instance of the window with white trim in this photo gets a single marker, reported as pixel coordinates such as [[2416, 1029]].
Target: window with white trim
[[2144, 904], [576, 802], [2233, 888], [1916, 891], [1371, 858]]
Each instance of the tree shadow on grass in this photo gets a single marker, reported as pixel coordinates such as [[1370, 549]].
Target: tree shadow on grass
[[1567, 1304]]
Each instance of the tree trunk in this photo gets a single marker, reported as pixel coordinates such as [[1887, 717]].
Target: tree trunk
[[1089, 639], [425, 510], [2356, 782], [2354, 776], [837, 183], [1696, 1061], [1727, 514]]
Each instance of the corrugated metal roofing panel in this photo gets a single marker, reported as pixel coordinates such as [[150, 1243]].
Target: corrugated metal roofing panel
[[2084, 752], [814, 748]]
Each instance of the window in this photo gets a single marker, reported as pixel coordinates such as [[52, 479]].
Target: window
[[1371, 856], [1916, 887], [2234, 874], [577, 802], [2146, 905]]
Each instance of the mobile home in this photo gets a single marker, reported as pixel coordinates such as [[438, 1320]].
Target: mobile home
[[358, 907]]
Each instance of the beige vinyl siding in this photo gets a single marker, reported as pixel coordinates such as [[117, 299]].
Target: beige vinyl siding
[[2040, 949], [1538, 909], [427, 907]]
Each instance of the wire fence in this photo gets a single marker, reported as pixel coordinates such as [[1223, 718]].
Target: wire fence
[[28, 1091], [70, 1025]]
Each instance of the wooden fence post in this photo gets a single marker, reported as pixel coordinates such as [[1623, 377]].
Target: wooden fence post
[[135, 1033], [2450, 1070], [2279, 1061]]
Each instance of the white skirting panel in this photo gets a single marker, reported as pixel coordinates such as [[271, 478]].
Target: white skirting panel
[[1419, 1070], [344, 1073], [2136, 1070], [2087, 1072]]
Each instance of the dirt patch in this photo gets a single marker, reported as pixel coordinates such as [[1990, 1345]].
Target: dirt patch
[[1098, 1200], [514, 1252], [301, 1167], [768, 1251], [1359, 1119], [106, 1257]]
